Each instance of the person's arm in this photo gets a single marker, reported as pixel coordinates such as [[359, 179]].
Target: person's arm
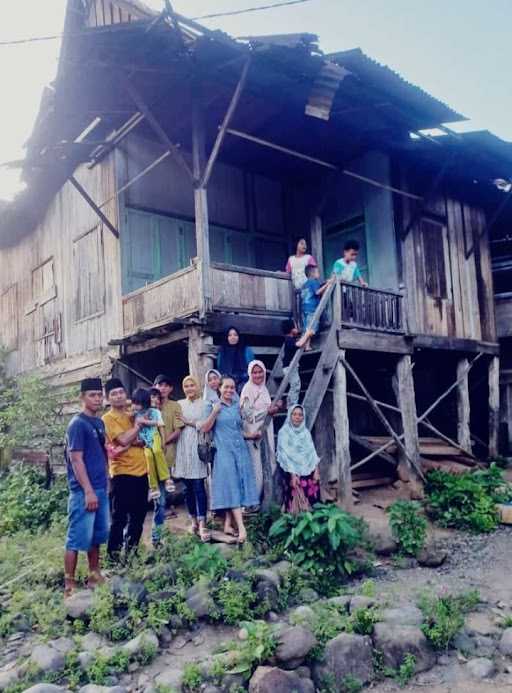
[[127, 438], [209, 422], [323, 288], [359, 277], [288, 267], [80, 472]]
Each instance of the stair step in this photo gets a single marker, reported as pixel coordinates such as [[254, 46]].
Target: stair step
[[369, 483]]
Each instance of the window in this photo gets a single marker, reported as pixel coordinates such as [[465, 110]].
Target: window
[[9, 318], [89, 274], [432, 235], [43, 283]]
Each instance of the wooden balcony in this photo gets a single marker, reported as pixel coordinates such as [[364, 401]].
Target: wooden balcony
[[375, 310]]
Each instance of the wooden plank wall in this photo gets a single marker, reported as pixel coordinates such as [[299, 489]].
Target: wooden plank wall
[[176, 296], [236, 288], [106, 12], [504, 317], [66, 304]]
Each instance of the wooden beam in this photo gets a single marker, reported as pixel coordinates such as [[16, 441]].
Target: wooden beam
[[201, 207], [463, 405], [367, 445], [409, 457], [494, 405], [132, 370], [225, 124], [341, 436], [320, 162], [374, 341], [156, 127], [469, 346], [398, 439], [79, 188], [200, 359], [322, 376], [317, 241]]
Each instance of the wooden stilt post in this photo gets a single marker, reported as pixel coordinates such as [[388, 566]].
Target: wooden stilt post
[[463, 407], [409, 457], [317, 248], [201, 208], [494, 404], [200, 353], [342, 435]]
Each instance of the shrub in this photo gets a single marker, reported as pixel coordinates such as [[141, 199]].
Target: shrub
[[324, 541], [235, 601], [26, 502], [467, 501], [350, 684], [406, 670], [245, 656], [363, 620], [444, 616], [408, 526], [192, 678]]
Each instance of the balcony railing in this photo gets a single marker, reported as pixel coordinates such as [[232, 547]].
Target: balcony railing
[[371, 309]]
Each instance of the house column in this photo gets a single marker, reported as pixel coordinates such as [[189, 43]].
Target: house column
[[342, 436], [317, 247], [201, 353], [403, 385], [201, 208], [494, 404], [463, 405]]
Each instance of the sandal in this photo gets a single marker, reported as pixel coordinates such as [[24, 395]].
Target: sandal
[[204, 535]]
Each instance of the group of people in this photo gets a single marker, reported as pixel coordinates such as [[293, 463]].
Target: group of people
[[131, 455]]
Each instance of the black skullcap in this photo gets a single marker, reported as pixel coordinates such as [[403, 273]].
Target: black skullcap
[[112, 384], [162, 378], [89, 384]]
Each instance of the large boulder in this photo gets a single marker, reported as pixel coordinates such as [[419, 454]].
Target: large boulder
[[481, 623], [267, 575], [301, 614], [79, 604], [432, 556], [170, 679], [275, 680], [44, 688], [63, 645], [360, 602], [268, 593], [347, 654], [92, 642], [9, 674], [481, 668], [46, 659], [505, 644], [140, 642], [134, 591], [294, 643], [199, 599], [406, 615], [397, 641]]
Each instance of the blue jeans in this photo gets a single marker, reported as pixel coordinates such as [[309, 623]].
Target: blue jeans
[[196, 498], [308, 323], [87, 528], [159, 514]]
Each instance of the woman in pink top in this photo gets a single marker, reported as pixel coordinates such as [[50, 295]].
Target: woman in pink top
[[297, 264]]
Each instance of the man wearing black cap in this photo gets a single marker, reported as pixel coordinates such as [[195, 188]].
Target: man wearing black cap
[[88, 507], [128, 471]]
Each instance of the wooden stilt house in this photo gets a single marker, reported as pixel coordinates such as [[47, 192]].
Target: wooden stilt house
[[170, 169]]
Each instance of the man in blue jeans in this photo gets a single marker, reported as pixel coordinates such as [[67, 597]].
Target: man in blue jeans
[[88, 506]]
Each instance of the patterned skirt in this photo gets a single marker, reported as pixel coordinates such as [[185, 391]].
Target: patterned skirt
[[309, 486]]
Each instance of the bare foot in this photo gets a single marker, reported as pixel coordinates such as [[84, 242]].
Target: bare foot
[[95, 578], [69, 586], [242, 535]]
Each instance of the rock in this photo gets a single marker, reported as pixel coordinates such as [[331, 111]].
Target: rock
[[383, 542], [480, 623], [226, 550], [233, 682], [485, 645], [268, 575], [79, 604], [464, 643], [140, 642], [307, 685], [303, 672], [301, 614], [342, 601], [212, 689], [269, 593], [272, 617], [166, 636], [122, 587], [44, 658], [347, 654], [396, 642], [44, 688], [407, 615], [360, 602], [481, 668], [307, 596], [236, 575], [432, 556], [274, 680], [199, 599], [282, 568], [63, 645], [294, 642], [92, 688], [505, 644], [9, 674], [170, 678], [85, 659], [91, 642]]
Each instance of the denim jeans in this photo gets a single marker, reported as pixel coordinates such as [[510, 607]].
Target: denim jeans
[[159, 514], [85, 528], [196, 498]]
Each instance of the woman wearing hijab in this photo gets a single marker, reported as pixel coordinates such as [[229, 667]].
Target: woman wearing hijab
[[297, 457], [234, 357], [188, 465], [233, 484], [211, 386], [255, 404]]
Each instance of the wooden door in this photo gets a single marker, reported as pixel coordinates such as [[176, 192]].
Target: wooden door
[[434, 277]]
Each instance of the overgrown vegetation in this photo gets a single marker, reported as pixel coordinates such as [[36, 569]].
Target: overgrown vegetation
[[468, 500], [243, 657], [444, 616], [327, 542], [408, 526]]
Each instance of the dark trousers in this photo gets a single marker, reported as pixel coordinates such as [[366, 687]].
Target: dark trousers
[[196, 498], [129, 502]]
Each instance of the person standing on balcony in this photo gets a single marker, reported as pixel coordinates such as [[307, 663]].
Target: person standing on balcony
[[234, 358], [296, 265], [346, 267]]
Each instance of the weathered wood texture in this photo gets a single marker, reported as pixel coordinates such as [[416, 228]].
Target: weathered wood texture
[[342, 435], [201, 356], [403, 385], [253, 290], [494, 404], [168, 299], [463, 405], [106, 12], [57, 301], [504, 317]]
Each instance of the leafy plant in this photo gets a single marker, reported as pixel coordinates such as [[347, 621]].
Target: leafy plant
[[328, 621], [259, 646], [192, 677], [324, 541], [102, 667], [363, 620], [408, 526], [406, 670], [350, 684], [506, 621], [444, 616], [367, 589], [467, 501], [204, 559], [235, 601]]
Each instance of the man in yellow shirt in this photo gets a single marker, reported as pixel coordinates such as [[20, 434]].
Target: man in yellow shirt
[[128, 471]]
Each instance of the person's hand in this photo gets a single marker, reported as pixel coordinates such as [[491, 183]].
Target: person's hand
[[91, 501], [216, 408], [257, 435], [316, 474], [144, 421], [294, 480]]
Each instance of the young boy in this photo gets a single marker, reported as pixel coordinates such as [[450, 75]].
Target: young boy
[[311, 294], [291, 333], [152, 436], [346, 267]]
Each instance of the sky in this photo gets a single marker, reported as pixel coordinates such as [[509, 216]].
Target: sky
[[457, 50]]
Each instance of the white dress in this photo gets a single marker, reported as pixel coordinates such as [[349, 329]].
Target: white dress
[[188, 464]]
